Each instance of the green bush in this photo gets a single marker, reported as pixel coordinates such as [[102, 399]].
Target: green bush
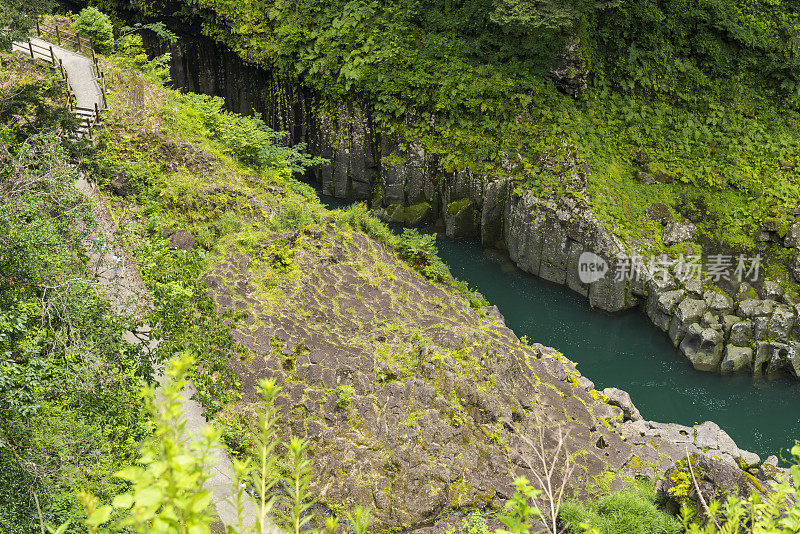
[[632, 511], [95, 25]]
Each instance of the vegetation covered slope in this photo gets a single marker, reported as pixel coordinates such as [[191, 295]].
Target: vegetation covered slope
[[414, 396], [71, 413], [708, 89]]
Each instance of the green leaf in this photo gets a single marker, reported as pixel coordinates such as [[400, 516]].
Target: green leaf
[[99, 516]]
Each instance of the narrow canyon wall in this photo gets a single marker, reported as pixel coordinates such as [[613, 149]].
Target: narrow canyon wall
[[759, 333]]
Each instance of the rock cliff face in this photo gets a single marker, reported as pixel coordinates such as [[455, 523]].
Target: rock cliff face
[[743, 332]]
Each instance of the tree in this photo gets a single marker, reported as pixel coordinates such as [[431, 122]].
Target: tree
[[557, 16], [19, 16]]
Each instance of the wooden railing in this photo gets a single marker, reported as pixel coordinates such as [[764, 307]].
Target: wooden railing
[[63, 37], [88, 118]]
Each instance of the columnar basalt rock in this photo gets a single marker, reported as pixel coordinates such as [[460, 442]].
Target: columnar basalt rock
[[544, 237]]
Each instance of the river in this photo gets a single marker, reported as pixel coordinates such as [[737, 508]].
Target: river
[[628, 352]]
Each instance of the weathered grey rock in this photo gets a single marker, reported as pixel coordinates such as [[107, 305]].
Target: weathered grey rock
[[748, 459], [122, 185], [773, 357], [460, 219], [694, 288], [574, 282], [756, 307], [771, 290], [617, 397], [710, 320], [709, 436], [645, 178], [492, 213], [793, 358], [760, 327], [703, 347], [642, 159], [795, 267], [728, 321], [661, 306], [687, 312], [678, 232], [718, 302], [745, 292], [737, 359], [567, 71], [792, 238], [179, 239], [742, 333], [554, 251], [780, 326], [664, 178], [795, 334], [671, 432]]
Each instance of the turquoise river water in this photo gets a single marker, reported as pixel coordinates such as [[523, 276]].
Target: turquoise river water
[[628, 352]]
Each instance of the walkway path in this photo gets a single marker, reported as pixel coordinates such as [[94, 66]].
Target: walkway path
[[79, 69], [122, 284]]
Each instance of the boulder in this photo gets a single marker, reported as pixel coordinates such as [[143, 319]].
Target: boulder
[[694, 288], [678, 232], [687, 312], [642, 159], [644, 178], [122, 185], [755, 307], [737, 359], [413, 215], [742, 333], [179, 239], [461, 219], [621, 399], [715, 478], [710, 437], [745, 291], [703, 347], [781, 323], [792, 238], [748, 460], [773, 357], [661, 306], [771, 290], [795, 267], [718, 302], [659, 212], [663, 178]]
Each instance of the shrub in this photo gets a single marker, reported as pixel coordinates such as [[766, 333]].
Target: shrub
[[95, 25], [420, 251], [633, 511], [344, 396]]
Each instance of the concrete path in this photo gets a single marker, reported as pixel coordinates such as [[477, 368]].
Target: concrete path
[[121, 282], [79, 68]]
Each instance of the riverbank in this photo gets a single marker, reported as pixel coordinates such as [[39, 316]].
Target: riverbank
[[625, 350]]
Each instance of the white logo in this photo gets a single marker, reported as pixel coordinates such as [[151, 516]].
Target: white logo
[[591, 267]]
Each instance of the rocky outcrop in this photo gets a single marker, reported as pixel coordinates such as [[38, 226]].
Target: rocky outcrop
[[179, 239], [547, 238]]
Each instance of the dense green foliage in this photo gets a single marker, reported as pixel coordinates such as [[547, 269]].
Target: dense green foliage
[[707, 88], [18, 16], [95, 26], [70, 409], [633, 511]]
